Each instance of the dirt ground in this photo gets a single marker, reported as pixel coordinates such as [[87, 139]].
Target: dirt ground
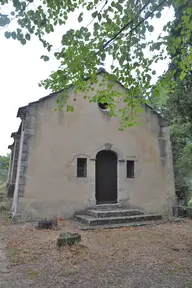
[[153, 256]]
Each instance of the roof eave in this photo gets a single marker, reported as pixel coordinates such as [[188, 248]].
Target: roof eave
[[21, 111], [10, 147]]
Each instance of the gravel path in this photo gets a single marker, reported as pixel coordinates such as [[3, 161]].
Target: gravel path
[[146, 257]]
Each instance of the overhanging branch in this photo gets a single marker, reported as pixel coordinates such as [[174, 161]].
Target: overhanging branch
[[131, 22], [143, 20], [124, 27]]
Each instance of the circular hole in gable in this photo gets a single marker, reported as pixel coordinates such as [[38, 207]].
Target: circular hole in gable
[[103, 106]]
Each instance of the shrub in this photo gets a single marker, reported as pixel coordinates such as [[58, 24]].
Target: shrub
[[190, 202]]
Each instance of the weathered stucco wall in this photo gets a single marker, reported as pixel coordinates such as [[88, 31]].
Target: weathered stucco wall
[[51, 185]]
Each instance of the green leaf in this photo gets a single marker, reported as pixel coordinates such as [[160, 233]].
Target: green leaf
[[158, 15], [99, 16], [28, 36], [154, 72], [94, 14], [4, 20], [155, 46], [17, 4], [156, 92], [18, 30], [148, 77], [150, 28], [21, 22], [143, 45], [70, 108], [19, 36], [46, 58], [136, 64], [7, 34], [14, 35], [178, 41], [80, 18], [182, 75], [23, 41]]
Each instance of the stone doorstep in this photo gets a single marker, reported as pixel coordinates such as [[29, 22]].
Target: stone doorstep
[[117, 226], [110, 213], [87, 219], [104, 207]]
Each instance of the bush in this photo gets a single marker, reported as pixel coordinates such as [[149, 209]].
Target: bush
[[3, 176], [4, 206], [190, 203], [2, 187], [189, 212]]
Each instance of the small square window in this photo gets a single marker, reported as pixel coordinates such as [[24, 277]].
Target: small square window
[[130, 169], [81, 167]]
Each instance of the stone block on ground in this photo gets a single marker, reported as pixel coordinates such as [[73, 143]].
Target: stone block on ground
[[47, 224], [68, 238], [182, 211]]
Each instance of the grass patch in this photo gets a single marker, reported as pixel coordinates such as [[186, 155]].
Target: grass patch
[[69, 270], [4, 206], [2, 188], [14, 254], [175, 270], [32, 274], [18, 255]]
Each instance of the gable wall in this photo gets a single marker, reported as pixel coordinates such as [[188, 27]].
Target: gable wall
[[61, 137]]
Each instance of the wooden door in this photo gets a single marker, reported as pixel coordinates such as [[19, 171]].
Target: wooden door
[[106, 177]]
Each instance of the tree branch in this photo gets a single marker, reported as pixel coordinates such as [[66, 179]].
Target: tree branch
[[98, 12], [124, 27], [11, 20], [130, 22], [143, 20]]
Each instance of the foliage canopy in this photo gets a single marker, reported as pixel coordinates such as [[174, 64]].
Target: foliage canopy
[[177, 106], [117, 30], [4, 166]]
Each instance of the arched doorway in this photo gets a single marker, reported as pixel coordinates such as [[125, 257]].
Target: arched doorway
[[106, 177]]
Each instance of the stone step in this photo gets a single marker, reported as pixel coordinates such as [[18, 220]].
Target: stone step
[[113, 213], [116, 226], [107, 206], [90, 220]]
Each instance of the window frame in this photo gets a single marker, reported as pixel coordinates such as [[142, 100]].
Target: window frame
[[131, 170], [81, 171]]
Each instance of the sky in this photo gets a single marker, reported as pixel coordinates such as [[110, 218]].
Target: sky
[[21, 69]]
